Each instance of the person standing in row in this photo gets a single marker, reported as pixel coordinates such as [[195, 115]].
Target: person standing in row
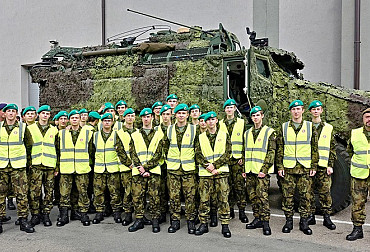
[[30, 115], [194, 111], [84, 114], [120, 107], [156, 108]]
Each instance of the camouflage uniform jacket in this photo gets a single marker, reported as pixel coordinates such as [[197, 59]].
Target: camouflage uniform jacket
[[350, 146], [130, 131], [298, 169], [157, 155], [332, 153]]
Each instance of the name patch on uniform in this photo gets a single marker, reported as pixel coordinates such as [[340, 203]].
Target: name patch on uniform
[[187, 135], [81, 139], [51, 136], [324, 136], [238, 134], [15, 132], [303, 131], [259, 139], [111, 139]]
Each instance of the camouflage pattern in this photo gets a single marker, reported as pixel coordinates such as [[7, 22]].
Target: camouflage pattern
[[126, 182], [20, 188], [41, 178], [112, 181], [82, 181], [219, 186], [359, 191], [139, 185], [186, 184], [237, 187], [163, 189], [289, 184], [258, 193], [321, 183]]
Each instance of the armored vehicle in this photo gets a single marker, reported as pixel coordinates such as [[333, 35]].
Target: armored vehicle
[[203, 67]]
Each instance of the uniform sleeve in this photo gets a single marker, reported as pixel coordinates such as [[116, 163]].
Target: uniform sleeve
[[135, 159], [332, 153], [224, 159], [154, 161], [166, 144], [28, 142], [199, 157], [57, 150], [270, 155], [314, 150], [121, 152], [279, 150], [350, 146], [92, 151]]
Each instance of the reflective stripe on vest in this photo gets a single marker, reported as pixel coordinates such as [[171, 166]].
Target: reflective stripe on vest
[[43, 147], [74, 158], [297, 148], [213, 155], [360, 162], [255, 152], [106, 158], [125, 139], [236, 137], [12, 148], [145, 154], [186, 156], [324, 145]]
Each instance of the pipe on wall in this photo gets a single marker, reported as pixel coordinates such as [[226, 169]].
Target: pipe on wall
[[103, 21], [357, 43]]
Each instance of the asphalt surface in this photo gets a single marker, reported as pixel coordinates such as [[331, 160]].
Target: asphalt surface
[[109, 236]]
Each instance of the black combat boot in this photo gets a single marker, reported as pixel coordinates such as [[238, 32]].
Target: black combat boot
[[11, 205], [108, 210], [92, 208], [191, 227], [138, 224], [98, 218], [5, 219], [175, 225], [162, 218], [85, 220], [232, 213], [128, 219], [63, 217], [288, 225], [266, 228], [256, 223], [117, 217], [35, 220], [75, 215], [214, 221], [25, 226], [46, 220], [146, 221], [196, 220], [356, 233], [202, 229], [311, 219], [17, 222], [155, 226], [226, 231], [304, 227], [328, 223], [242, 216]]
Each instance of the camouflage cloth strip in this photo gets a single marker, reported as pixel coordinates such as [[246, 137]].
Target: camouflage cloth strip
[[38, 179], [359, 192], [65, 184], [258, 189], [112, 181], [321, 183]]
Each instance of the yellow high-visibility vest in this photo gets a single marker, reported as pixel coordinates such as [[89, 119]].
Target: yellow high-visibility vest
[[255, 151], [297, 148], [162, 160], [212, 155], [125, 138], [106, 158], [360, 162], [186, 156], [89, 127], [12, 148], [74, 158], [324, 145], [145, 154], [43, 147], [236, 137]]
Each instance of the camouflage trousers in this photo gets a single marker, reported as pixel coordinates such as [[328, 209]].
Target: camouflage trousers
[[301, 182], [20, 189], [39, 178], [163, 192], [10, 190], [219, 186], [66, 191], [237, 187], [258, 193], [213, 210], [359, 192], [186, 183], [139, 185], [321, 183], [112, 181], [126, 181]]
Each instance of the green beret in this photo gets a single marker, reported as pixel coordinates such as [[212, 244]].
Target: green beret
[[128, 111], [120, 103], [194, 106], [43, 108], [107, 105], [295, 104], [29, 108], [157, 104], [229, 102], [172, 96], [11, 106], [209, 115], [94, 114], [83, 111], [315, 104], [107, 116], [255, 110], [60, 114], [164, 108], [180, 107], [146, 111], [73, 112], [202, 116]]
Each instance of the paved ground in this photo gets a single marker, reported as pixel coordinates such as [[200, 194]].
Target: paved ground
[[109, 236]]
